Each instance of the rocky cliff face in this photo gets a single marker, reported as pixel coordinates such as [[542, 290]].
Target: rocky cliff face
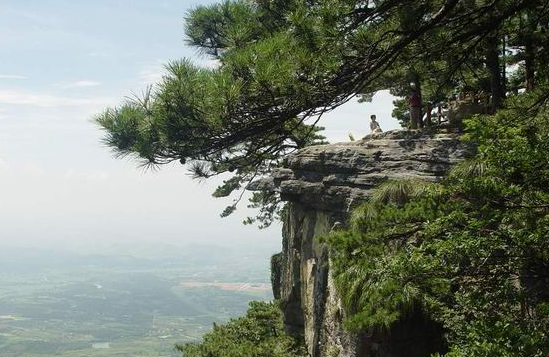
[[321, 184]]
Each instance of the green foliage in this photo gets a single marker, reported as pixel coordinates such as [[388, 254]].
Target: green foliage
[[280, 65], [258, 334], [401, 111], [472, 251], [268, 207]]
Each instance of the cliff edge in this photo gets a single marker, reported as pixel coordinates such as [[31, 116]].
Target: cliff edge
[[321, 185]]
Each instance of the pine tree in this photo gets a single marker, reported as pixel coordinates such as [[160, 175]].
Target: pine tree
[[281, 65]]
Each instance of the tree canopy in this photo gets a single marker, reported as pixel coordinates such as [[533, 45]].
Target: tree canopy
[[282, 64]]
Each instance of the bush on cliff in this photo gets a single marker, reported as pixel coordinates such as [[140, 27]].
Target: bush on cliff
[[258, 334], [471, 251]]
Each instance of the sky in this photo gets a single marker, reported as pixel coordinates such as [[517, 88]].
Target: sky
[[62, 62]]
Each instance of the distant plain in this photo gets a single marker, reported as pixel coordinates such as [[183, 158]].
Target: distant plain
[[137, 303]]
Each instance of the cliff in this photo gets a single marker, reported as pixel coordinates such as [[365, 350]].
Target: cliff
[[321, 185]]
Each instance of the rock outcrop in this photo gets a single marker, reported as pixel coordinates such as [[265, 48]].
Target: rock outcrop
[[321, 185]]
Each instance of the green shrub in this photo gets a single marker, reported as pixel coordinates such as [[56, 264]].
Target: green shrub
[[258, 334], [472, 251]]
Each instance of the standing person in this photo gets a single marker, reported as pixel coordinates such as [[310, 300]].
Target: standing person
[[414, 101], [374, 125]]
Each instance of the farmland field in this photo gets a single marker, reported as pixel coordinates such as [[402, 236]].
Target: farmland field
[[122, 305]]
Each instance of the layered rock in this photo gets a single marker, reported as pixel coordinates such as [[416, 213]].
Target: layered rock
[[321, 185]]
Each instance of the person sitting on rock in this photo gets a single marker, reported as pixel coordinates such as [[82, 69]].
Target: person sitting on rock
[[374, 125]]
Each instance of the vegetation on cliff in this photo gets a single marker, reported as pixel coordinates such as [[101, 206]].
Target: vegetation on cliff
[[472, 252], [258, 334]]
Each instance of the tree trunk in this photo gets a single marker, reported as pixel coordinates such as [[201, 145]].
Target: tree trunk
[[417, 82], [494, 69], [529, 64], [529, 52]]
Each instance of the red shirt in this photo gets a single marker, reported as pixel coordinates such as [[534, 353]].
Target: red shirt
[[415, 100]]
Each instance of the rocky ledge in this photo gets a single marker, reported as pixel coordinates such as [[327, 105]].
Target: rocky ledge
[[321, 184], [333, 177]]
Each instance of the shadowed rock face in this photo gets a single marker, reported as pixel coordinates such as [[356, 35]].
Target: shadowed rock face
[[321, 184]]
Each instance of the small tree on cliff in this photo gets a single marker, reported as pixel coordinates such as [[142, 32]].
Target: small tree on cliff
[[282, 64]]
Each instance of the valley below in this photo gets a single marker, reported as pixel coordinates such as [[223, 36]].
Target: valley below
[[80, 305]]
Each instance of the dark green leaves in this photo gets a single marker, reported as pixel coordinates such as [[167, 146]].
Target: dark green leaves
[[279, 65], [258, 334], [471, 252]]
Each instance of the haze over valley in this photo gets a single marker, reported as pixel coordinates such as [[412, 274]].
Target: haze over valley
[[130, 299]]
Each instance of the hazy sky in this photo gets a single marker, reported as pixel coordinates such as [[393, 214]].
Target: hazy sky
[[61, 62]]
